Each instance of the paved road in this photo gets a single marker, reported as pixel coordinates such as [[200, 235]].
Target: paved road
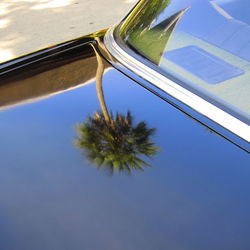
[[28, 25]]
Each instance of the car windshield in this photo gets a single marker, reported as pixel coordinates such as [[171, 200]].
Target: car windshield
[[204, 44]]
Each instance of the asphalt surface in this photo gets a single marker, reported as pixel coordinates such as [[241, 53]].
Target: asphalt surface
[[29, 25]]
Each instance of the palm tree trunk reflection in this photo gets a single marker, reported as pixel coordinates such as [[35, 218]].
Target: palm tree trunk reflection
[[99, 90]]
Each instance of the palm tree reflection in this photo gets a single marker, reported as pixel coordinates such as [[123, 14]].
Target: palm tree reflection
[[114, 142], [117, 145]]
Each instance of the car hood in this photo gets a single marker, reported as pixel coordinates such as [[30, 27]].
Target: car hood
[[191, 193]]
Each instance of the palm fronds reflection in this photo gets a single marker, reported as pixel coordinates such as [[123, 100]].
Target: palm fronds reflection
[[117, 144]]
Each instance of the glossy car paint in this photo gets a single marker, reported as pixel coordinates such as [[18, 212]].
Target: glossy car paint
[[195, 195]]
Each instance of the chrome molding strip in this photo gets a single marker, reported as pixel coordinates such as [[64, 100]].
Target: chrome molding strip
[[200, 105]]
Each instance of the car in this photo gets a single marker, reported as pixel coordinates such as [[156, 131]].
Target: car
[[130, 138]]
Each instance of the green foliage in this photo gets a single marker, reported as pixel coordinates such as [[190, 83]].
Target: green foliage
[[143, 31], [137, 29], [151, 44], [143, 16], [116, 145]]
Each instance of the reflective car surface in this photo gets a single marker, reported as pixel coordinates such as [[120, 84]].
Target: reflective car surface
[[203, 46], [94, 155]]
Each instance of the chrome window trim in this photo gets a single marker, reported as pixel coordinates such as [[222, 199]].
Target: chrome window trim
[[187, 97]]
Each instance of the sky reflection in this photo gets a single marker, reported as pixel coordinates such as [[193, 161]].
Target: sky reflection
[[51, 199]]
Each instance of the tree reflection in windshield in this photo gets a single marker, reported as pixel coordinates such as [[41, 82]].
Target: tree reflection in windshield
[[147, 31]]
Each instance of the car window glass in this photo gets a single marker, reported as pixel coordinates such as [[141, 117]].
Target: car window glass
[[205, 44]]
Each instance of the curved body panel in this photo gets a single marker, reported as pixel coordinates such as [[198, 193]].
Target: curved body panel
[[188, 190]]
